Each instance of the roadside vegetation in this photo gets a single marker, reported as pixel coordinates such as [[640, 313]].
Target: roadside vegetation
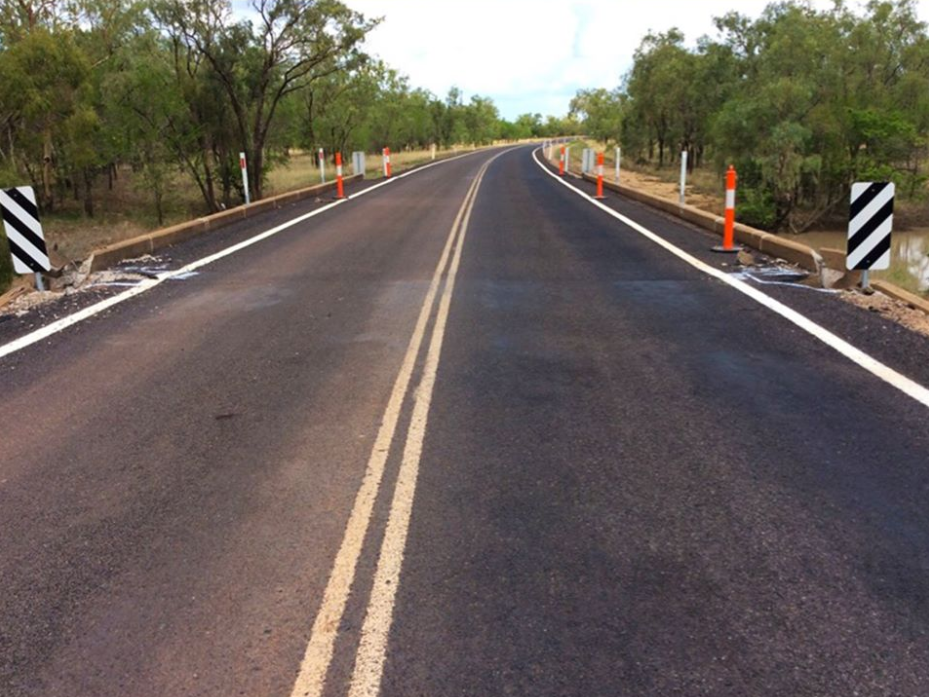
[[124, 208], [803, 101], [705, 187], [128, 114]]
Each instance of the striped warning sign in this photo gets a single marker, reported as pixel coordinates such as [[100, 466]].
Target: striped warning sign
[[23, 230], [869, 226]]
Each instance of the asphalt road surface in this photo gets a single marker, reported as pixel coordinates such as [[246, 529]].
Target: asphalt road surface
[[465, 434]]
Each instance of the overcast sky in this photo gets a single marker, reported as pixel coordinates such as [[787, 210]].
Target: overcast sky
[[531, 55]]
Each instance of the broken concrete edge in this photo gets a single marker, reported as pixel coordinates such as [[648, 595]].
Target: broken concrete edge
[[897, 293], [765, 242], [11, 295], [151, 242]]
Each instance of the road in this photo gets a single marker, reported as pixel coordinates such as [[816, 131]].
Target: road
[[466, 434]]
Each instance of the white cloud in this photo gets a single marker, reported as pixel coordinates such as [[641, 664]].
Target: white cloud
[[531, 55]]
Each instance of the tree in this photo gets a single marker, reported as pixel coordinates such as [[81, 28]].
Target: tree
[[601, 112], [293, 44], [803, 101], [40, 76], [481, 120]]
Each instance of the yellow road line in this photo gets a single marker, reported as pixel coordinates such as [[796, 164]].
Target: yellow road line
[[315, 665], [372, 651]]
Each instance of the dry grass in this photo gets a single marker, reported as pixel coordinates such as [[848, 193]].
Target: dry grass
[[400, 161], [908, 263], [123, 212], [128, 210], [704, 188], [301, 169]]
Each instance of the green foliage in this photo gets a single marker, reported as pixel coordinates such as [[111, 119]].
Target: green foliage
[[601, 112], [757, 208], [6, 264], [804, 101], [186, 85]]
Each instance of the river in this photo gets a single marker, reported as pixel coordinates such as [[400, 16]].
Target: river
[[909, 263]]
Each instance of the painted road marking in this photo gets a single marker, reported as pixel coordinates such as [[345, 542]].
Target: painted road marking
[[872, 365], [372, 650], [315, 665], [95, 309]]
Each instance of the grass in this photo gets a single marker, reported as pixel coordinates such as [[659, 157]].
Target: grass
[[301, 170], [126, 210], [705, 191], [704, 187], [403, 160]]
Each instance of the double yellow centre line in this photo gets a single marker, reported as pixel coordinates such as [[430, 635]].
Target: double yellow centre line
[[372, 650]]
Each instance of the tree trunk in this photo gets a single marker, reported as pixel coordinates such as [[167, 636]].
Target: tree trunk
[[48, 201], [88, 194], [207, 187], [254, 172]]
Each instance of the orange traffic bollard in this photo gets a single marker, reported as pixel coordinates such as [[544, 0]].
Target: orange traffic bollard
[[561, 162], [729, 230], [387, 162], [600, 175], [340, 190]]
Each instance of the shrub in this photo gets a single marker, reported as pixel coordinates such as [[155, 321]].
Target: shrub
[[756, 208], [6, 264]]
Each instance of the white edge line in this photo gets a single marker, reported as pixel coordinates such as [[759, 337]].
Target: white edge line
[[909, 387], [95, 309]]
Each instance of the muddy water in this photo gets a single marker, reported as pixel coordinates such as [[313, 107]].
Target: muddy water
[[909, 263]]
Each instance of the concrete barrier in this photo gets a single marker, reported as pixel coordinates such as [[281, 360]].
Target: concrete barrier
[[764, 242], [115, 253], [259, 207], [221, 219], [180, 233], [898, 293], [767, 243], [151, 242]]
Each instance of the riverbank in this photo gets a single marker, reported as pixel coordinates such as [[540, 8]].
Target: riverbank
[[909, 266]]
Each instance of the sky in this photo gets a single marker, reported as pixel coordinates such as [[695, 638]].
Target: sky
[[531, 55]]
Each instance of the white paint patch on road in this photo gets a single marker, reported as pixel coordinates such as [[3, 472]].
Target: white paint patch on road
[[184, 272], [745, 276], [909, 387]]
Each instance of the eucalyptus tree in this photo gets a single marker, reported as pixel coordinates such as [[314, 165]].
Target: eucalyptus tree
[[804, 101], [40, 77], [284, 47], [601, 111]]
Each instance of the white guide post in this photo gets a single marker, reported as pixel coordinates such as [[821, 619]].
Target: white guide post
[[683, 175], [244, 167]]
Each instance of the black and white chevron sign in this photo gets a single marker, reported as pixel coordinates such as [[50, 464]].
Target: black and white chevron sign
[[869, 226], [23, 230]]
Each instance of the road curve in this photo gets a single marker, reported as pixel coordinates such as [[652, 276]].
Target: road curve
[[181, 468], [630, 478]]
